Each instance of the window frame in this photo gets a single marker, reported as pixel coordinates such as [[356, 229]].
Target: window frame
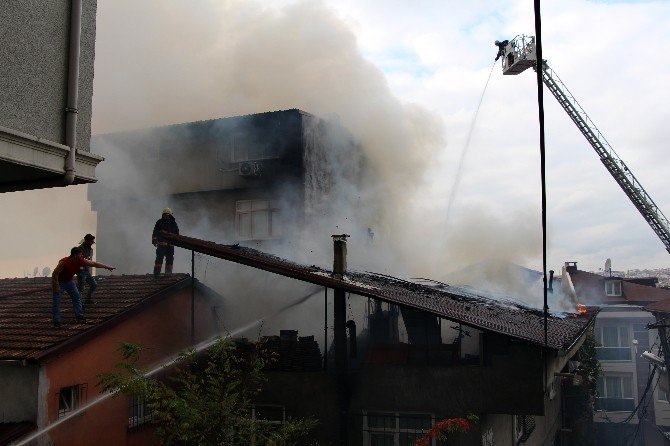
[[71, 398], [396, 431], [616, 288], [622, 389], [622, 345], [239, 150], [273, 219]]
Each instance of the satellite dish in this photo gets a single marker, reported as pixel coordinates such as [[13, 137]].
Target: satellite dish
[[608, 266]]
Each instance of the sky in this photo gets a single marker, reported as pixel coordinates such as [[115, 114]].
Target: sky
[[174, 63]]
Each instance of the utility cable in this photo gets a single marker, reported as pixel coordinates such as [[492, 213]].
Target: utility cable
[[540, 110]]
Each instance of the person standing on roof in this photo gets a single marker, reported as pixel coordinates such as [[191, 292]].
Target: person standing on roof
[[62, 280], [165, 224], [84, 276]]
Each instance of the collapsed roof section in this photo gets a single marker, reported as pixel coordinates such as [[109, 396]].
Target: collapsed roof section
[[443, 300]]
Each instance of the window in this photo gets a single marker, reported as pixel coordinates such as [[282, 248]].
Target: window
[[269, 413], [251, 149], [70, 398], [256, 219], [662, 395], [139, 412], [395, 429], [613, 343], [524, 425], [613, 288], [615, 394]]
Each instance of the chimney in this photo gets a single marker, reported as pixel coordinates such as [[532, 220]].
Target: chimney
[[340, 331], [339, 255], [339, 303], [550, 287], [571, 267]]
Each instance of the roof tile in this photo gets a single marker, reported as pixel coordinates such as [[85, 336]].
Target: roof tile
[[26, 329]]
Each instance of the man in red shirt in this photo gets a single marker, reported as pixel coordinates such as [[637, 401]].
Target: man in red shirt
[[62, 281]]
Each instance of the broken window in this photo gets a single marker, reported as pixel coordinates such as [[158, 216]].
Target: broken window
[[615, 393], [613, 343], [613, 288], [395, 428], [139, 412], [70, 398], [256, 219]]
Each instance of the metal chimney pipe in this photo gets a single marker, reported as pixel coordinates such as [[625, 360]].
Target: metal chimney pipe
[[340, 333], [339, 255], [339, 303], [550, 288]]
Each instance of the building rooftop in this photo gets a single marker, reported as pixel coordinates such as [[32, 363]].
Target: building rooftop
[[458, 304], [590, 289], [26, 330]]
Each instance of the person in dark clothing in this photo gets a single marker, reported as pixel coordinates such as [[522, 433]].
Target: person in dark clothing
[[166, 224], [61, 280], [84, 276], [501, 48]]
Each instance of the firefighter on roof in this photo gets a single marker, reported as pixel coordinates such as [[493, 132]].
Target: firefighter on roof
[[165, 224]]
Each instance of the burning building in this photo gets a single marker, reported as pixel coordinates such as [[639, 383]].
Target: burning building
[[258, 179]]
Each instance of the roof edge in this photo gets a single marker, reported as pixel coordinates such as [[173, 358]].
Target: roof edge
[[77, 340]]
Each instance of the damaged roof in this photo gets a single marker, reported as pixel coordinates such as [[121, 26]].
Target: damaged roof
[[590, 289], [454, 303], [26, 330]]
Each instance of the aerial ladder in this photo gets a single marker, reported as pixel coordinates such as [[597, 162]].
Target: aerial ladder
[[518, 55]]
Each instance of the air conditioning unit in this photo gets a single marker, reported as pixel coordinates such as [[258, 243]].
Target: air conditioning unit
[[249, 169]]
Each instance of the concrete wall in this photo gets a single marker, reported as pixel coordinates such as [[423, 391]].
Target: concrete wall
[[33, 73], [162, 330], [18, 392]]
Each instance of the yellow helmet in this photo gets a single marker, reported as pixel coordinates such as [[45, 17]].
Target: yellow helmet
[[167, 211]]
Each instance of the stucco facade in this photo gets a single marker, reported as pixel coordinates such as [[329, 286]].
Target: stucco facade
[[33, 93]]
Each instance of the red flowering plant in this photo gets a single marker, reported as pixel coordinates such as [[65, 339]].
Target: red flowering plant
[[443, 428]]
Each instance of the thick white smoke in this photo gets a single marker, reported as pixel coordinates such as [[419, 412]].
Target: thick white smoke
[[177, 62]]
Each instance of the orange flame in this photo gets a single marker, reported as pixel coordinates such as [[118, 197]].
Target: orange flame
[[581, 309]]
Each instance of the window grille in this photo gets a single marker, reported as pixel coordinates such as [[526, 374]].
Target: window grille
[[139, 413], [395, 428]]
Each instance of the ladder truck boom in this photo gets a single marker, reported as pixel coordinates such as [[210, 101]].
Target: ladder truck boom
[[518, 55]]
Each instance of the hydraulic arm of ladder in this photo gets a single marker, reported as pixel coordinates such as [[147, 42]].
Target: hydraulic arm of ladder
[[518, 55]]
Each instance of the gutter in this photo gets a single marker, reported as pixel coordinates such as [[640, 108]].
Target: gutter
[[565, 351], [71, 110]]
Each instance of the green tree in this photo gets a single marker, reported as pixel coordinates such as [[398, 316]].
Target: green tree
[[205, 399]]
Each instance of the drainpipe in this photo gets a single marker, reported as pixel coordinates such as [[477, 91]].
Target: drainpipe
[[71, 110]]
